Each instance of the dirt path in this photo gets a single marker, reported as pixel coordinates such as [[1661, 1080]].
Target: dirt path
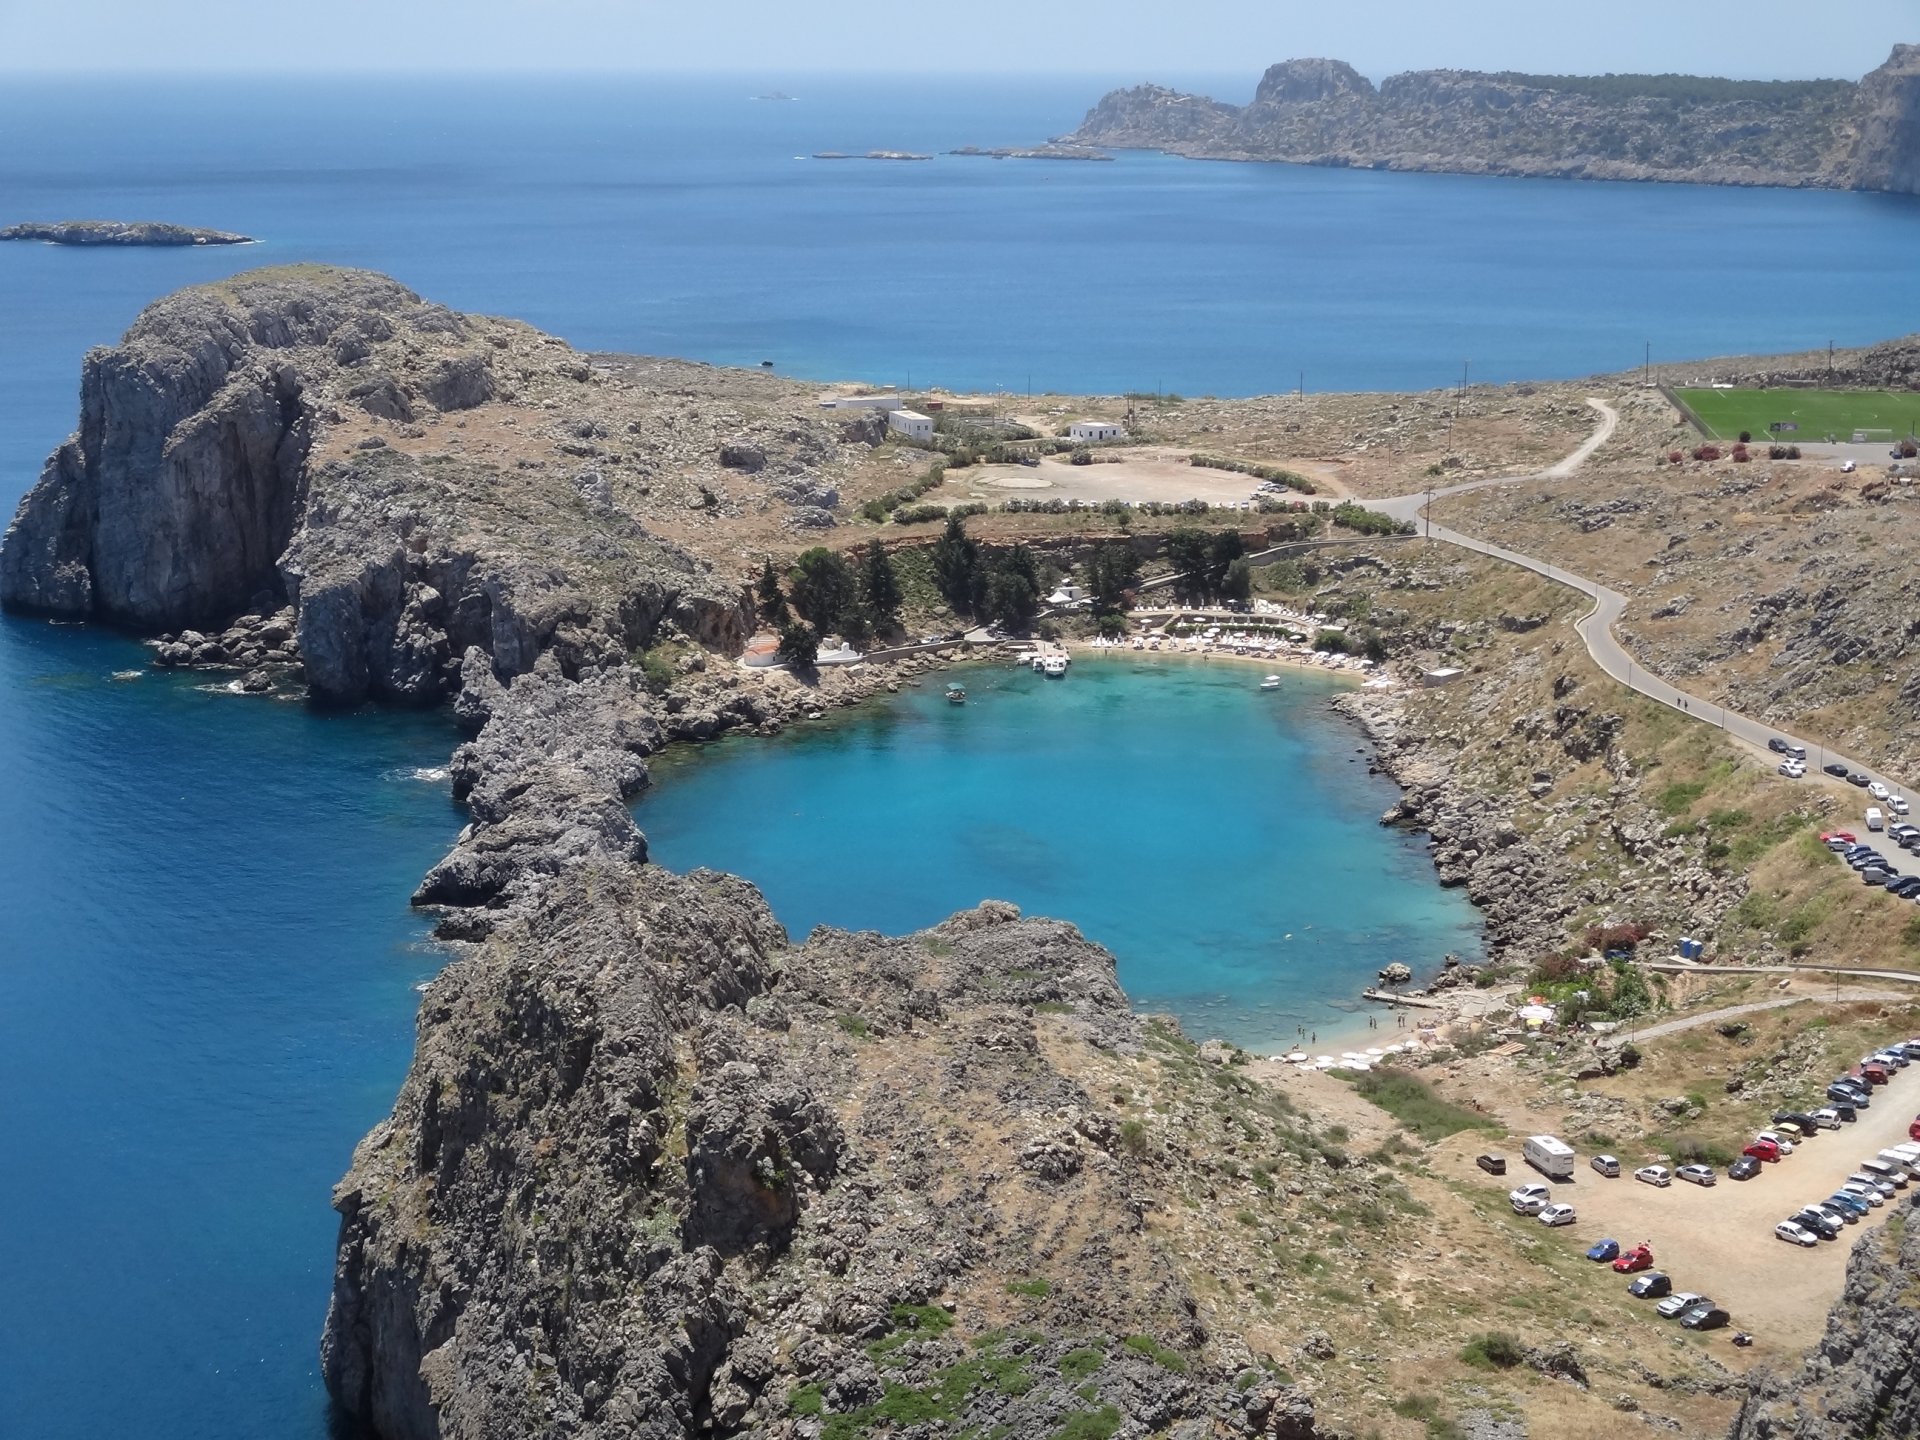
[[1688, 1022]]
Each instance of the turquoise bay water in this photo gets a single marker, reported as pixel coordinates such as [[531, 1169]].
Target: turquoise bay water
[[206, 957], [1221, 840]]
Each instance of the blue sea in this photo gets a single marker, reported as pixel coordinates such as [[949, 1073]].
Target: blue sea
[[1222, 841], [206, 958]]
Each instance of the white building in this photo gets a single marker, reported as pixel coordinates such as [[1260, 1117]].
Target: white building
[[1095, 430], [911, 423], [1067, 595], [863, 402]]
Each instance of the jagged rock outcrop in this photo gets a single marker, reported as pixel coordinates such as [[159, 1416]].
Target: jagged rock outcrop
[[1613, 127], [121, 232], [655, 1173], [1860, 1380], [219, 470], [1886, 147]]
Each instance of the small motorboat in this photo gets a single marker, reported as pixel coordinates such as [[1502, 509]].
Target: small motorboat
[[1272, 682], [1054, 666], [956, 694]]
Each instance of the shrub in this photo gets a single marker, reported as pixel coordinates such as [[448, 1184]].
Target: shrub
[[1706, 452], [1412, 1102], [1746, 437], [1674, 457], [1495, 1350], [1741, 455], [1133, 1137]]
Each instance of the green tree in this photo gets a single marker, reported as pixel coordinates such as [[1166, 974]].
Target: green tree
[[879, 586], [1011, 599], [823, 587], [1221, 553], [1112, 570], [766, 590], [799, 647], [956, 566], [1188, 552], [1237, 583]]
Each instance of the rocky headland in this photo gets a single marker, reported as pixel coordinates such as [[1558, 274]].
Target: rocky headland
[[659, 1170], [121, 232], [1828, 133]]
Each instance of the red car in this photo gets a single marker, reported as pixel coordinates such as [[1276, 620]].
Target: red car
[[1636, 1259], [1874, 1074], [1826, 835], [1913, 1130], [1762, 1150]]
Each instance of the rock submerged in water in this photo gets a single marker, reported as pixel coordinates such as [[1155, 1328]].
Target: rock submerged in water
[[122, 232]]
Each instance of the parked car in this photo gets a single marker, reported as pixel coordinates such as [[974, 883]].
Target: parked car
[[1675, 1303], [1697, 1174], [1875, 1073], [1905, 888], [1763, 1150], [1825, 1226], [1848, 1095], [1826, 1119], [1898, 804], [1913, 1130], [1805, 1122], [1877, 790], [1848, 1203], [1745, 1168], [1868, 1186], [1837, 770], [1654, 1175], [1530, 1199], [1876, 876], [1777, 745], [1891, 1056], [1796, 1233], [1780, 1139], [1604, 1250], [1847, 1112], [1556, 1215], [1650, 1286], [1840, 1214], [1705, 1317], [1492, 1164], [1607, 1166], [1793, 769], [1845, 836], [1634, 1261], [1857, 778]]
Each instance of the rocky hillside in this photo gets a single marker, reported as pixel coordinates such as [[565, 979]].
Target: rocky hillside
[[121, 232], [1613, 127], [317, 466], [1860, 1382]]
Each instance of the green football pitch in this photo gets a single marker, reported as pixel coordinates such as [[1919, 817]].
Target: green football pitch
[[1817, 414]]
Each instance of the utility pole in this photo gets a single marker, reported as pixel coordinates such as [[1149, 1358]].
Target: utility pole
[[1829, 362], [1646, 366]]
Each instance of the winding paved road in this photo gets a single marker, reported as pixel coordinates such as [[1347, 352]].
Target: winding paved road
[[1596, 627]]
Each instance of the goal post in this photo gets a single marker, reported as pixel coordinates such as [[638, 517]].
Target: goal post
[[1869, 436]]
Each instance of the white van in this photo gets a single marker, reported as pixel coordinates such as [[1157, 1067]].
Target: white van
[[1900, 1158], [1895, 1175], [1875, 820], [1551, 1157]]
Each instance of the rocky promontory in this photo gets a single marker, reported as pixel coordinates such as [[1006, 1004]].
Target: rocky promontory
[[1828, 133], [121, 232]]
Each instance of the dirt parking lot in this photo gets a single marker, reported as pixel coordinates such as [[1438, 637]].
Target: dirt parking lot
[[1144, 474], [1720, 1241]]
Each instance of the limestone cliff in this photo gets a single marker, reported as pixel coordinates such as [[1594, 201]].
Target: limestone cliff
[[1613, 127], [1860, 1381], [407, 482]]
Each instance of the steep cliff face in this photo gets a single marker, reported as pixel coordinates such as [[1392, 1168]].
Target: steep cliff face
[[1658, 127], [1860, 1382], [1886, 150], [411, 482]]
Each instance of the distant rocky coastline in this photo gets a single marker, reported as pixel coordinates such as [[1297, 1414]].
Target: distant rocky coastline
[[122, 232], [1827, 133]]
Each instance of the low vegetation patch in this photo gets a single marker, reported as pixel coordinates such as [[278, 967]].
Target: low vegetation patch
[[1412, 1102]]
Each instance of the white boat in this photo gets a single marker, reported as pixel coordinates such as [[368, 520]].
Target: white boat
[[956, 694], [1272, 682], [1054, 666], [1036, 661]]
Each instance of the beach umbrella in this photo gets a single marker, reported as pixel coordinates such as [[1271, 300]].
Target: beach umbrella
[[1375, 1051]]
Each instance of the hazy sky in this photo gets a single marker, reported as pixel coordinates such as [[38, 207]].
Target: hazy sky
[[1125, 39]]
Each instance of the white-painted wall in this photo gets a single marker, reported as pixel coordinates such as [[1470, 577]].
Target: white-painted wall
[[1095, 430], [911, 423]]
